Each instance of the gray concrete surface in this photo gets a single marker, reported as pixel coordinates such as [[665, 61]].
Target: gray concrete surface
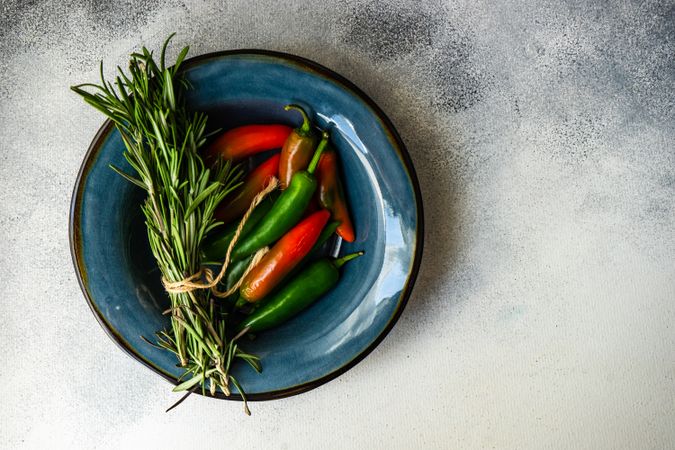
[[543, 134]]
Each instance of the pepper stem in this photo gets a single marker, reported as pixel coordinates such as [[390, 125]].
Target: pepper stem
[[306, 128], [317, 153], [241, 302], [341, 261]]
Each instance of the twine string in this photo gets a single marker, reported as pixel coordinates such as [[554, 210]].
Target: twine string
[[192, 282]]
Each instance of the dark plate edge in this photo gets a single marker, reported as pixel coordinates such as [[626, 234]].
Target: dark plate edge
[[75, 245]]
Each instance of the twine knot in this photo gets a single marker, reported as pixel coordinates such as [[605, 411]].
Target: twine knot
[[203, 278]]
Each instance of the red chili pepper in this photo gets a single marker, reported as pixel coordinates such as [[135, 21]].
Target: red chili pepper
[[331, 194], [283, 257], [255, 182], [248, 140]]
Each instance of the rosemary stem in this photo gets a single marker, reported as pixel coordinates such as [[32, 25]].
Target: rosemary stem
[[161, 139]]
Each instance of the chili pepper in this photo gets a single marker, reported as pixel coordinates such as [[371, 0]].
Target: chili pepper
[[299, 293], [216, 246], [248, 140], [297, 150], [237, 269], [331, 194], [326, 233], [287, 210], [283, 257], [253, 184]]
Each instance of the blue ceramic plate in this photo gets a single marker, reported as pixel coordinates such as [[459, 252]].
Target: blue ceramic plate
[[117, 272]]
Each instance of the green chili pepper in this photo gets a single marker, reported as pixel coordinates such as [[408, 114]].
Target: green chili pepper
[[237, 268], [327, 232], [299, 293], [287, 210], [216, 246]]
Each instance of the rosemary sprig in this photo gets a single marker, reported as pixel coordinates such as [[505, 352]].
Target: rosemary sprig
[[161, 138]]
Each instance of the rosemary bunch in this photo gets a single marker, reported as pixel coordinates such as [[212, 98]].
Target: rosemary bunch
[[162, 138]]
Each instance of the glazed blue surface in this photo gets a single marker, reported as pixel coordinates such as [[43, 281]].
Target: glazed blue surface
[[119, 273]]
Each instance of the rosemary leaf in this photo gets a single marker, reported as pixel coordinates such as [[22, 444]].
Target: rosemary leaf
[[162, 139]]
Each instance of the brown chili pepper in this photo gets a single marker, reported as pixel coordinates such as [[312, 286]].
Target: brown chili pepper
[[297, 150], [331, 194]]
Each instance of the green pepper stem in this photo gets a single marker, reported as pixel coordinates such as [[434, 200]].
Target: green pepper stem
[[306, 128], [241, 302], [317, 154], [341, 261]]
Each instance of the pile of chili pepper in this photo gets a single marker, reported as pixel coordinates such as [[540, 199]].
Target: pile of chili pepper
[[294, 223]]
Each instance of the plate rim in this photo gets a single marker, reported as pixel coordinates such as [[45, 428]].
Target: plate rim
[[306, 65]]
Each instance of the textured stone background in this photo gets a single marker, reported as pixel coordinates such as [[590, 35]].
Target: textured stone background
[[543, 134]]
